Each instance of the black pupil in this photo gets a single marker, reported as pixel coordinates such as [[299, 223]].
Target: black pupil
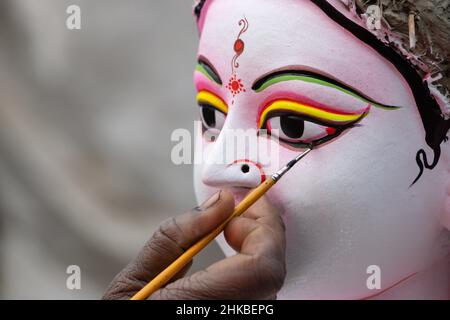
[[209, 116], [292, 126]]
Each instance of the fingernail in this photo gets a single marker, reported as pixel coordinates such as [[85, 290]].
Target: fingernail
[[210, 202]]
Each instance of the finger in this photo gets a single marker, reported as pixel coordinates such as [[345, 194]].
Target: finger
[[172, 238], [237, 230], [261, 208], [263, 211], [261, 214], [264, 241]]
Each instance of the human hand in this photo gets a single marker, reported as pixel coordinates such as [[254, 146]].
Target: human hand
[[257, 271]]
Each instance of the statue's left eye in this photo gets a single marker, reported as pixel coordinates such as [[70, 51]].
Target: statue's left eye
[[294, 129]]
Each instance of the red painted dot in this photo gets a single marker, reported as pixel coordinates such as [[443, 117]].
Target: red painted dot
[[235, 86], [331, 131], [239, 46]]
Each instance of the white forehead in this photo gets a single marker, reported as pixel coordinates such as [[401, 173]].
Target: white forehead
[[285, 33]]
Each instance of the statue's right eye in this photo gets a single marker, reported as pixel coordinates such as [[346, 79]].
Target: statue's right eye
[[212, 118], [213, 111]]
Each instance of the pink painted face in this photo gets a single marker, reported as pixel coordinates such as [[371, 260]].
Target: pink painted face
[[291, 70]]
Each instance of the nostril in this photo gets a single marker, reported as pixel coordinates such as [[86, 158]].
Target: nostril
[[245, 168]]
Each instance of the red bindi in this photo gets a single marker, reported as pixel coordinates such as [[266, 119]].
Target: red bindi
[[239, 46]]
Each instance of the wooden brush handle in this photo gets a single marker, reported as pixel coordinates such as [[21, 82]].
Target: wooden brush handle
[[161, 279]]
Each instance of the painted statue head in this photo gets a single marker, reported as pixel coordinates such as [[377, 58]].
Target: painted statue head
[[375, 190]]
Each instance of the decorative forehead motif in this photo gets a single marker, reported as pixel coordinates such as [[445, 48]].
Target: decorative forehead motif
[[235, 85]]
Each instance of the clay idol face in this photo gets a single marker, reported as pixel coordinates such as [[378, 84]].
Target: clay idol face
[[287, 68]]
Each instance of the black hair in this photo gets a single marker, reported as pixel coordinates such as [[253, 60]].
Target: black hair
[[198, 9]]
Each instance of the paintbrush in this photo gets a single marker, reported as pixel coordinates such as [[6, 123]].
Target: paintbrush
[[164, 277]]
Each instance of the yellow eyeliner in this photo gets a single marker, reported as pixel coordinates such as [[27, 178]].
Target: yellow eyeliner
[[317, 113], [210, 98]]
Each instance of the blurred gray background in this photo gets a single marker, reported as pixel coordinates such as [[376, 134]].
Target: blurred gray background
[[85, 124]]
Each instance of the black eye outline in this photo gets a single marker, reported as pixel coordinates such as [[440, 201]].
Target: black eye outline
[[339, 128], [213, 108]]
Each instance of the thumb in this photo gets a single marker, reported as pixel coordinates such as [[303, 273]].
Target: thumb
[[172, 239]]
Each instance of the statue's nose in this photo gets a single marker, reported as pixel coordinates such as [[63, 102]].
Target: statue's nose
[[240, 173]]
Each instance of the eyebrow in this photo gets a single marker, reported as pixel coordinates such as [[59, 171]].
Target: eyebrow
[[313, 77], [207, 98], [206, 68]]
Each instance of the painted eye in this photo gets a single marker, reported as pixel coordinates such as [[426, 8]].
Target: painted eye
[[212, 118], [295, 130]]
